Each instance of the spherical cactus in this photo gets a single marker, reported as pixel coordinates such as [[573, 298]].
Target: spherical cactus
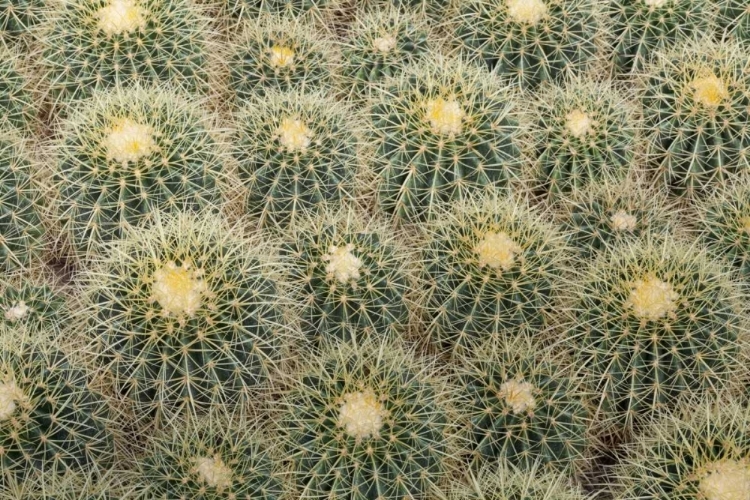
[[585, 131], [505, 482], [443, 129], [296, 152], [289, 8], [273, 52], [654, 320], [609, 214], [186, 313], [52, 419], [701, 452], [17, 17], [723, 225], [367, 422], [88, 45], [213, 457], [380, 44], [644, 27], [696, 103], [22, 235], [491, 265], [522, 405], [531, 41], [354, 275], [128, 153], [16, 97], [33, 301]]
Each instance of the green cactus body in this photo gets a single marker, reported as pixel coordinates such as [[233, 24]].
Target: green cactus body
[[443, 129], [51, 420], [296, 152], [724, 226], [273, 52], [354, 275], [32, 301], [209, 458], [16, 99], [17, 17], [521, 405], [701, 452], [734, 19], [584, 132], [491, 266], [644, 27], [21, 231], [654, 321], [74, 485], [129, 153], [364, 423], [186, 313], [290, 8], [531, 41], [609, 214], [89, 45], [380, 44], [696, 103]]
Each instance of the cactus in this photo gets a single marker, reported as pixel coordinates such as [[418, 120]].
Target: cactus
[[17, 17], [22, 235], [89, 45], [354, 275], [443, 129], [492, 265], [128, 153], [701, 452], [212, 457], [654, 320], [724, 227], [109, 484], [289, 8], [380, 44], [367, 422], [16, 96], [185, 313], [531, 41], [696, 102], [609, 214], [643, 27], [33, 301], [272, 52], [505, 482], [296, 152], [734, 19], [585, 131], [522, 405], [52, 419]]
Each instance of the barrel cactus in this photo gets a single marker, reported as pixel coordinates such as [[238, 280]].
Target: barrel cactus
[[17, 17], [17, 102], [128, 153], [33, 300], [585, 132], [185, 313], [491, 266], [701, 452], [273, 52], [22, 234], [531, 41], [522, 405], [367, 422], [443, 129], [296, 152], [89, 45], [696, 102], [644, 27], [354, 274], [209, 458], [654, 320]]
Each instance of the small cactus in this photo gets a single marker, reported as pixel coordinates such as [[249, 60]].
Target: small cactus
[[531, 41], [367, 422], [273, 52], [701, 452], [33, 301], [491, 266], [443, 129], [128, 153], [354, 274], [521, 405], [696, 102], [185, 313], [654, 320], [296, 152]]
